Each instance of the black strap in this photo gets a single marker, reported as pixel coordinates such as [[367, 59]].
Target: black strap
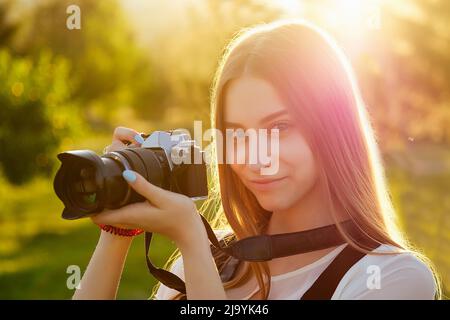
[[259, 248], [267, 247], [325, 286], [171, 280], [168, 278]]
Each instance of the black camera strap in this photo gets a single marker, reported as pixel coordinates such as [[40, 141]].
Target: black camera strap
[[262, 247]]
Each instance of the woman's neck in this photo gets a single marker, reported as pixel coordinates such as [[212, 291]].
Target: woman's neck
[[312, 211]]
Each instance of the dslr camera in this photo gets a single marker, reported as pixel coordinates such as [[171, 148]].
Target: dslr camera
[[87, 183]]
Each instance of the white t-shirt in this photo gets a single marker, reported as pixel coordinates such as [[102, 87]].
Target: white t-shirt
[[399, 276]]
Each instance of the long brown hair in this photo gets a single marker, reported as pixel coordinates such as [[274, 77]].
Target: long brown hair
[[314, 78]]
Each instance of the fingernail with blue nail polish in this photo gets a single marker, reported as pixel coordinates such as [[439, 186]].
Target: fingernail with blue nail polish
[[138, 138], [129, 175]]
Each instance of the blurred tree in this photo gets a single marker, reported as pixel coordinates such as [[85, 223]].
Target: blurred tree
[[412, 99], [424, 55], [34, 113], [7, 27], [403, 66], [108, 70]]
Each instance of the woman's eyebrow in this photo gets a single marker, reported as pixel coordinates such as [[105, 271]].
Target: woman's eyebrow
[[262, 121]]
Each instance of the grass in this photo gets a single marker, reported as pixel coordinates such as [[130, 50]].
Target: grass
[[37, 246], [419, 181], [49, 255]]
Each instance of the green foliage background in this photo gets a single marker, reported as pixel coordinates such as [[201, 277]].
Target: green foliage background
[[151, 67]]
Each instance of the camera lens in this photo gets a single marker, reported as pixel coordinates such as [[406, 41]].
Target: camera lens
[[87, 183], [82, 187]]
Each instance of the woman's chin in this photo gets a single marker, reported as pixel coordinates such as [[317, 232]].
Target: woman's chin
[[272, 202]]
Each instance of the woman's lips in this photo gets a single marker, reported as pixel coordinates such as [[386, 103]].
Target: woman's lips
[[265, 184]]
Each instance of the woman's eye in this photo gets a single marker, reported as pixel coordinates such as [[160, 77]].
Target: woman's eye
[[281, 126]]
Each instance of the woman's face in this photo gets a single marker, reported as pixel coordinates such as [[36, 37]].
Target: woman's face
[[252, 103]]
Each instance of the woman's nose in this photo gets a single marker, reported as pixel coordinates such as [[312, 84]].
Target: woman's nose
[[253, 159], [255, 166]]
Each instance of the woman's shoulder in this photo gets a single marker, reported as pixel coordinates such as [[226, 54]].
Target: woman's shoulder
[[177, 268], [388, 273]]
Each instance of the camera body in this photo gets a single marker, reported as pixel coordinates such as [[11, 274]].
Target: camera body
[[87, 183]]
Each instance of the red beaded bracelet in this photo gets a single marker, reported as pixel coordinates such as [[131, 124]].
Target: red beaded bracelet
[[120, 231]]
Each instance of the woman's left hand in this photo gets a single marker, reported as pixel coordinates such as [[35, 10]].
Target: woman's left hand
[[171, 214]]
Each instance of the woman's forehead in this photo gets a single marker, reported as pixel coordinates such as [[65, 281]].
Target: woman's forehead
[[250, 101]]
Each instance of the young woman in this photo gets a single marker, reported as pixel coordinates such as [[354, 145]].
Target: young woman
[[290, 76]]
